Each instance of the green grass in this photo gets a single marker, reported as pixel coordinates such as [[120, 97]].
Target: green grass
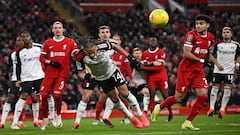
[[229, 125]]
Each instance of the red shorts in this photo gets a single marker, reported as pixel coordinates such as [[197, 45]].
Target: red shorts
[[185, 78], [56, 85], [161, 85]]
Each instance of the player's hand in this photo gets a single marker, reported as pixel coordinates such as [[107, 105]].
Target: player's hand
[[18, 83], [55, 64]]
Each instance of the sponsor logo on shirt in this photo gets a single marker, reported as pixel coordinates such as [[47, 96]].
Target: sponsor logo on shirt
[[54, 54]]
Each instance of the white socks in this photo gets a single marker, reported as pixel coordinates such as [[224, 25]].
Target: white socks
[[226, 97], [213, 96], [5, 111], [51, 107], [108, 108], [134, 104], [119, 105], [35, 110], [80, 111], [18, 110], [146, 100]]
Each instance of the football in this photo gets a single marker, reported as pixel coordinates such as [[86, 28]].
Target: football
[[158, 18]]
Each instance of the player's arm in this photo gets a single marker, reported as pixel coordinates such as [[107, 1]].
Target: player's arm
[[187, 53], [18, 69], [43, 58], [214, 60]]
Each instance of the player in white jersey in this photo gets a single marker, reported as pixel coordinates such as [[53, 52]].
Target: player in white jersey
[[29, 77], [13, 90], [108, 76], [140, 77], [225, 56]]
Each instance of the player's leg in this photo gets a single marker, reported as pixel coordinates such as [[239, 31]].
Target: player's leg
[[18, 109], [45, 90], [119, 105], [7, 108], [99, 107], [183, 82], [82, 105], [108, 109], [146, 99], [199, 84], [58, 89], [225, 99], [213, 98], [123, 90]]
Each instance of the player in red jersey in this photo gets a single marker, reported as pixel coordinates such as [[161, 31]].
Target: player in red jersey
[[190, 70], [56, 54], [153, 60]]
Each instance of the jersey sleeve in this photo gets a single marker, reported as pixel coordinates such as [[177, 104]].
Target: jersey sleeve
[[189, 39]]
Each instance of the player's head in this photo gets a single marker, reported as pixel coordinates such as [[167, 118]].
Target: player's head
[[90, 49], [26, 38], [202, 23], [227, 33], [57, 29], [137, 53], [118, 39], [19, 41], [104, 32], [153, 43]]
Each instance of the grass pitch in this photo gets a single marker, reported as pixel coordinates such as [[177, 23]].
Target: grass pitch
[[229, 125]]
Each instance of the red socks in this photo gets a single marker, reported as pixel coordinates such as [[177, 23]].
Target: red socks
[[168, 102], [99, 108], [197, 107]]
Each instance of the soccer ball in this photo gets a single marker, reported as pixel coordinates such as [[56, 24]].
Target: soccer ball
[[158, 18]]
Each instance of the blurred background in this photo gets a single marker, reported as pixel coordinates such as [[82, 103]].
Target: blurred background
[[129, 18]]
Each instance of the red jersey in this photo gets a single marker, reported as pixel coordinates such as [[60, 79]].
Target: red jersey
[[58, 51], [200, 46], [123, 64], [155, 72]]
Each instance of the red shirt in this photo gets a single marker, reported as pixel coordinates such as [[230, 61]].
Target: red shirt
[[200, 46], [58, 51], [123, 64], [155, 72]]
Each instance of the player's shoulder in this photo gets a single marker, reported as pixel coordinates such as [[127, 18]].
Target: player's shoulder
[[235, 42], [37, 44], [112, 41], [210, 36], [69, 39]]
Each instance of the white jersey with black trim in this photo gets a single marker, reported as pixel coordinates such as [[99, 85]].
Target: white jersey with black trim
[[226, 54], [140, 76], [14, 62], [102, 66], [31, 68]]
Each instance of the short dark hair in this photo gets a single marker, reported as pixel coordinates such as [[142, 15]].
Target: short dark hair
[[203, 17], [103, 27]]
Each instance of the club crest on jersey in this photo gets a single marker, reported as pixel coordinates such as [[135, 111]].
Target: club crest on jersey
[[64, 46], [190, 37]]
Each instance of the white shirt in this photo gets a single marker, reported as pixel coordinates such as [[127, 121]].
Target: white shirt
[[226, 54], [31, 68]]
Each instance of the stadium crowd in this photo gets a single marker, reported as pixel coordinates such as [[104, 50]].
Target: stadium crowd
[[133, 26]]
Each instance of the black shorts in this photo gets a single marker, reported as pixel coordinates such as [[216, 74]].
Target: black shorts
[[12, 88], [225, 78], [30, 86], [115, 80]]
